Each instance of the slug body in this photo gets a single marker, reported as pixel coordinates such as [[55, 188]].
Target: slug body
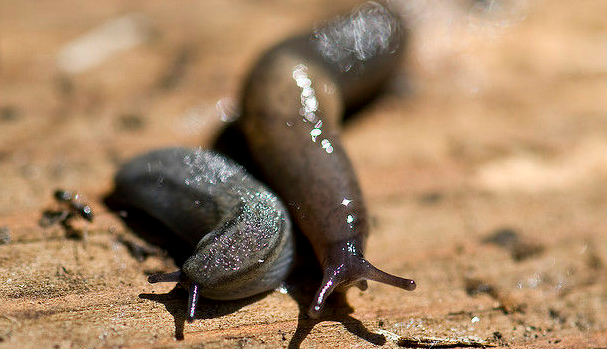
[[238, 230], [292, 104]]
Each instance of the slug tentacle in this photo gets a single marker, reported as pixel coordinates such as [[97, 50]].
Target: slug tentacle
[[370, 272], [192, 301], [329, 282], [362, 285], [176, 276]]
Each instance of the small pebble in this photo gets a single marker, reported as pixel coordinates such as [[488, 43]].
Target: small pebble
[[5, 235]]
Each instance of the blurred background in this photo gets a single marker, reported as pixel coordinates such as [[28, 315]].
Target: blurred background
[[484, 165]]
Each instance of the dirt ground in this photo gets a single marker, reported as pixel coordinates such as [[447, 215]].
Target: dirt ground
[[484, 166]]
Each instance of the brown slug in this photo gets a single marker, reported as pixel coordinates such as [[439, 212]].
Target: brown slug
[[292, 104]]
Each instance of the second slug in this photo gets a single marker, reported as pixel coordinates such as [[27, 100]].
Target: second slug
[[292, 103], [239, 232]]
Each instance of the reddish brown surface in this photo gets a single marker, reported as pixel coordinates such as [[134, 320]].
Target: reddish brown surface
[[497, 128]]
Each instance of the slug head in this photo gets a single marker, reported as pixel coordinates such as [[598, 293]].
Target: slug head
[[240, 258], [345, 266]]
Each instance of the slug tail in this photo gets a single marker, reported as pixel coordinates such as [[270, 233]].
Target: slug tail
[[192, 301], [175, 276]]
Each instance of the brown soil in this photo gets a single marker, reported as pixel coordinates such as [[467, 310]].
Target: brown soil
[[484, 166]]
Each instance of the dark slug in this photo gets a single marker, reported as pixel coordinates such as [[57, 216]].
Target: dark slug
[[292, 103], [239, 231]]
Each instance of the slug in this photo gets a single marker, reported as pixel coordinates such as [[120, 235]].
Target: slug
[[292, 103], [240, 233]]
